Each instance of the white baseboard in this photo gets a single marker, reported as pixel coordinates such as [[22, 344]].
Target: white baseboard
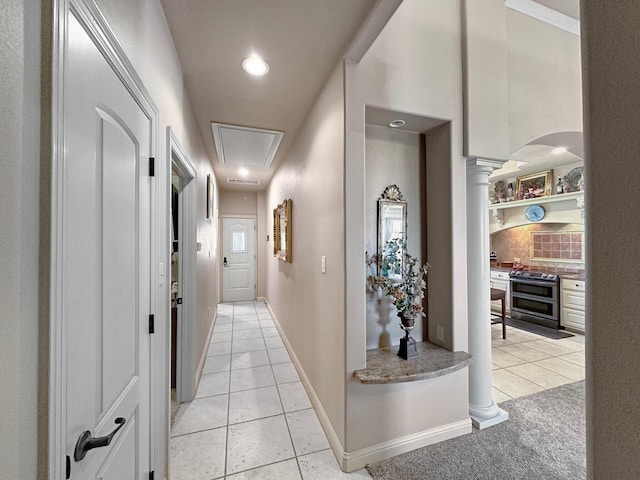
[[203, 357], [332, 436], [261, 299], [352, 461], [358, 459]]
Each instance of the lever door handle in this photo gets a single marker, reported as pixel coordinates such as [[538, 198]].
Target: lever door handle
[[86, 442]]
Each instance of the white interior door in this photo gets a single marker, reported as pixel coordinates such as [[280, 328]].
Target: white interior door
[[238, 259], [106, 266]]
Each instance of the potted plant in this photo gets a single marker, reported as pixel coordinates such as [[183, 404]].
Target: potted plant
[[402, 278]]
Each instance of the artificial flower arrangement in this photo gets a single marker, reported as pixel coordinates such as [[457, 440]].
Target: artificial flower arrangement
[[400, 277]]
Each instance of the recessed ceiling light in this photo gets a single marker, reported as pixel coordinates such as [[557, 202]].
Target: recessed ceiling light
[[397, 123], [255, 66], [558, 151], [243, 172]]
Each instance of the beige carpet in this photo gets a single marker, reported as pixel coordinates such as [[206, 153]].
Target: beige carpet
[[544, 438]]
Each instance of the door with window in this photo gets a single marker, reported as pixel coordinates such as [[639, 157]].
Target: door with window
[[238, 259]]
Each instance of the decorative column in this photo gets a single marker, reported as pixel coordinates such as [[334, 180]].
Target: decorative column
[[483, 410]]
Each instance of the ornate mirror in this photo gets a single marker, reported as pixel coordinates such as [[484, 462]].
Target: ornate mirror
[[282, 231], [392, 216]]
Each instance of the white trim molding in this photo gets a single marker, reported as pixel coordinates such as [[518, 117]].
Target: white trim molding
[[176, 154], [358, 459], [545, 14], [96, 26], [352, 461]]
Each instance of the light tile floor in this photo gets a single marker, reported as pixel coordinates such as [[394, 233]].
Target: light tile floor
[[252, 419], [527, 363]]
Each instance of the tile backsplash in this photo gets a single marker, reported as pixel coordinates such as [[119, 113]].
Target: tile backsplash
[[542, 245]]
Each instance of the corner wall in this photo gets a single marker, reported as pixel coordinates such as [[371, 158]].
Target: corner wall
[[20, 117], [544, 80], [309, 305], [612, 115], [414, 66]]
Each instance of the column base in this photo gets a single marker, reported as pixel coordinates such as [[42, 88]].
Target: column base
[[480, 420]]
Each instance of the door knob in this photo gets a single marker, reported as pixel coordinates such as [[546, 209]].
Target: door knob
[[224, 261], [86, 442]]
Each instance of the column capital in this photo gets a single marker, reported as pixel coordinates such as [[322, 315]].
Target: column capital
[[492, 163]]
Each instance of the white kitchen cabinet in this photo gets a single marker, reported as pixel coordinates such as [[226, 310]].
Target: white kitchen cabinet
[[573, 296], [500, 279]]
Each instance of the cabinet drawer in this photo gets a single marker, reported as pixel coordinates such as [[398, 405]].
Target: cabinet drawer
[[568, 284], [573, 319], [573, 299], [496, 275]]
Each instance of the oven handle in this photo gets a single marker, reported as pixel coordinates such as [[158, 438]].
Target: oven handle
[[541, 283]]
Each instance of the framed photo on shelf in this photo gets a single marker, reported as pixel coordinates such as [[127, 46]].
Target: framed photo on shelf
[[535, 184]]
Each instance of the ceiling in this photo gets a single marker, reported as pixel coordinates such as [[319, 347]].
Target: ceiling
[[302, 40]]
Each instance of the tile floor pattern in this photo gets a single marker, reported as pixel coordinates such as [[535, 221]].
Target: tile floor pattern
[[252, 419], [526, 363]]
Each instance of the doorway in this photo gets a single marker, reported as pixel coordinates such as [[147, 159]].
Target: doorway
[[238, 259], [182, 255]]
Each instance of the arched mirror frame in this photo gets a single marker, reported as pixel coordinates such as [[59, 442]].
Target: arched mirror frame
[[282, 231], [391, 200]]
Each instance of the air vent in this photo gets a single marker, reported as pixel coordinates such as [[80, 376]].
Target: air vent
[[243, 146], [242, 181]]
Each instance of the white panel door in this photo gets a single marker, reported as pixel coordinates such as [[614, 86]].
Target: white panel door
[[238, 259], [105, 269]]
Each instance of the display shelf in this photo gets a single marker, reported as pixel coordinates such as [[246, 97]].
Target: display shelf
[[497, 209], [384, 365]]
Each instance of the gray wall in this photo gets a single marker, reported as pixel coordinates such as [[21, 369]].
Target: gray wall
[[19, 236], [612, 115]]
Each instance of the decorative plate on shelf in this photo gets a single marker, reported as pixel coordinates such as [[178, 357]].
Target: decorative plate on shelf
[[573, 177], [534, 213]]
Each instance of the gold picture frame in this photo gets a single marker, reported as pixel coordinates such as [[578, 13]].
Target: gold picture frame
[[535, 185], [282, 231], [209, 197]]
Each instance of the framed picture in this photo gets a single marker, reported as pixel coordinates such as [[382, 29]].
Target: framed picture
[[209, 197], [535, 185], [282, 231]]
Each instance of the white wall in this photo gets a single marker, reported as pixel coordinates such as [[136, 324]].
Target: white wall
[[309, 305], [19, 237], [544, 80], [414, 66], [141, 28], [235, 202], [392, 157]]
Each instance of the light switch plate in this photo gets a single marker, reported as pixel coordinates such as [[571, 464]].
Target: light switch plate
[[324, 264]]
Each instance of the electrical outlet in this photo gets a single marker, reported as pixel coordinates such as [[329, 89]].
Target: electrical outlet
[[440, 333], [324, 264]]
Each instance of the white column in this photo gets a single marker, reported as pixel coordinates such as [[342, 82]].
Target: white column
[[483, 410]]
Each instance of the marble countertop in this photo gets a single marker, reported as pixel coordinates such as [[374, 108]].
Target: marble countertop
[[571, 275], [384, 365]]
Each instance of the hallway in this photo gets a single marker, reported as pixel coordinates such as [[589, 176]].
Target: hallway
[[251, 418]]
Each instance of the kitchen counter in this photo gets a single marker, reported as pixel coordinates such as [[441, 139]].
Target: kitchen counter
[[561, 272]]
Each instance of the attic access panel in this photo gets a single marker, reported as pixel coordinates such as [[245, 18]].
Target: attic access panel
[[245, 146]]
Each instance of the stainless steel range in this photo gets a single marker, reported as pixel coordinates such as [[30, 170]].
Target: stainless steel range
[[535, 297]]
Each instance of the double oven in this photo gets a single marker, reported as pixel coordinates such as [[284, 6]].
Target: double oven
[[535, 297]]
